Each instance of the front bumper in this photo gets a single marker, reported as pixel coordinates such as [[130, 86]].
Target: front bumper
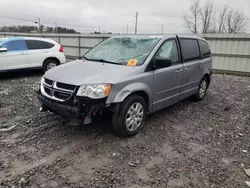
[[58, 108], [76, 108]]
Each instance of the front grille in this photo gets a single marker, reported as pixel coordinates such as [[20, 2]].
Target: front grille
[[49, 82], [63, 96], [47, 90], [65, 86], [58, 91]]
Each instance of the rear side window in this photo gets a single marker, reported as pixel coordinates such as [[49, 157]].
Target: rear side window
[[37, 45], [47, 45], [205, 50], [15, 45], [34, 44], [190, 49]]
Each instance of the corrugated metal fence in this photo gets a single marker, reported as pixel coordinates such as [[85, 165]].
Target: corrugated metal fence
[[231, 52]]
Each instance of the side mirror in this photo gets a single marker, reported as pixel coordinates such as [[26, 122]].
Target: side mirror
[[3, 50], [162, 62]]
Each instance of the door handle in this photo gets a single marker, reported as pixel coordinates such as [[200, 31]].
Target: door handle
[[178, 70], [187, 68]]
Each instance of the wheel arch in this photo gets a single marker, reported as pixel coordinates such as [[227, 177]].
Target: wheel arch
[[207, 76], [135, 88], [53, 58], [143, 94]]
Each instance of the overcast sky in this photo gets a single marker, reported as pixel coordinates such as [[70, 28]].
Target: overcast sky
[[109, 15]]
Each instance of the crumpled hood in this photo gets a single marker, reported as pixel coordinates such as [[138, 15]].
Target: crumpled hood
[[80, 72]]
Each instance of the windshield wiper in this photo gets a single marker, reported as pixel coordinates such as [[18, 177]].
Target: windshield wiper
[[85, 58], [101, 60], [104, 61]]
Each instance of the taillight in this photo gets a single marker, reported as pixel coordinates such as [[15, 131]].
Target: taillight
[[61, 49]]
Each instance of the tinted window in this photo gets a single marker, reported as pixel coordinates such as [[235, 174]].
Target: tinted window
[[205, 51], [169, 50], [34, 44], [47, 45], [190, 49], [15, 45]]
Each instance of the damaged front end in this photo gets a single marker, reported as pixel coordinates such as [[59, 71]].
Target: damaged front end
[[61, 99]]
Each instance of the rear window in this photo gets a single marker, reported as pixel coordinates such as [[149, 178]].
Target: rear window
[[190, 49], [37, 45], [205, 50]]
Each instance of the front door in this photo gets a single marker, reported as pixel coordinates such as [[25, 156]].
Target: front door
[[168, 80], [16, 55]]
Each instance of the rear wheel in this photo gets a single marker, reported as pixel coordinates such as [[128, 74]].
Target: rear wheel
[[49, 64], [130, 118], [202, 91]]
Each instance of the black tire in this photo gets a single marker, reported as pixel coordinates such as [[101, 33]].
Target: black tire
[[199, 96], [119, 119], [48, 62]]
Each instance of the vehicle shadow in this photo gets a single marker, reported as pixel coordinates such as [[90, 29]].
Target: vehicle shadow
[[103, 124], [20, 74]]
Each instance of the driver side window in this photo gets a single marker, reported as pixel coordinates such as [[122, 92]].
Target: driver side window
[[169, 50]]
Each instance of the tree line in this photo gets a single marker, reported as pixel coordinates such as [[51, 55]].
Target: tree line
[[32, 29], [207, 18]]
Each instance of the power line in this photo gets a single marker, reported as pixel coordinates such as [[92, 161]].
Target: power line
[[163, 15], [58, 23], [174, 15], [16, 18], [109, 17]]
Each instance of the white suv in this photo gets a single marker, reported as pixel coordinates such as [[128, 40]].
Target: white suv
[[27, 52]]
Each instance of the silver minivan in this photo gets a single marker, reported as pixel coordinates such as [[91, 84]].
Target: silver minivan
[[130, 76]]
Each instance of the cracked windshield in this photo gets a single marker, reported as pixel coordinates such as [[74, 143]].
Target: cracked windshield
[[121, 49]]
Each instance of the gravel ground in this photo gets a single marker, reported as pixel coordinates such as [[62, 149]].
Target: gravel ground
[[205, 144]]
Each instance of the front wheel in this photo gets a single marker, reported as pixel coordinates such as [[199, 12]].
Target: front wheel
[[131, 115], [202, 91]]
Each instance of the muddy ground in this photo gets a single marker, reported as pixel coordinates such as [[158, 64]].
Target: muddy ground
[[204, 144]]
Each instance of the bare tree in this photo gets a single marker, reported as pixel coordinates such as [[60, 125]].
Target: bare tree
[[236, 21], [207, 13], [222, 19], [204, 17], [229, 23], [192, 18]]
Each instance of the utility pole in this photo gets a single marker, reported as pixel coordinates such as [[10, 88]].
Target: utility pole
[[39, 24], [127, 30], [136, 21], [56, 27], [100, 30], [162, 28]]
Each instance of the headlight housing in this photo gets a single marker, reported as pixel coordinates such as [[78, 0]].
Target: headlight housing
[[94, 91]]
